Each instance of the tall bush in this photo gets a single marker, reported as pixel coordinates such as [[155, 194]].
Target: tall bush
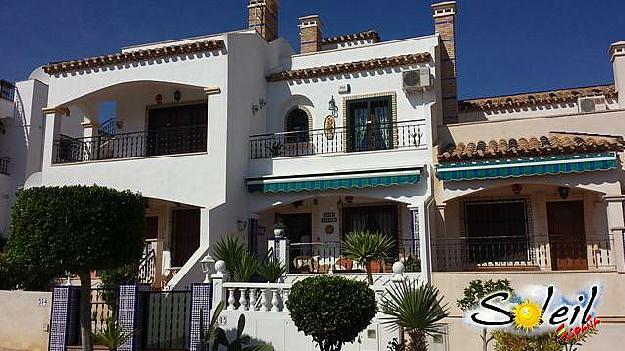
[[332, 310], [77, 229]]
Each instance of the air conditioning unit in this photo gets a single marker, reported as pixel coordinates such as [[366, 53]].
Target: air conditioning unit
[[590, 104], [417, 80]]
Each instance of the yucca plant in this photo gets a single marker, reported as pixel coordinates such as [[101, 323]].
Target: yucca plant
[[112, 336], [365, 247], [271, 269], [418, 310], [239, 263]]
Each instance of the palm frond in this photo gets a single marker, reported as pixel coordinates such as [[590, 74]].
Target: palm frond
[[367, 246], [414, 308], [112, 336]]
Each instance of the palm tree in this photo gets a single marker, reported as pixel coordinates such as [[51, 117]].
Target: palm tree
[[365, 247], [415, 309]]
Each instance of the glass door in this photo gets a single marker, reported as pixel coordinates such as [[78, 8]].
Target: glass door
[[370, 124]]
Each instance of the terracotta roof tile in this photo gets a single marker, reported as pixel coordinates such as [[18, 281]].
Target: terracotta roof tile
[[350, 67], [133, 56], [366, 35], [533, 99], [555, 143]]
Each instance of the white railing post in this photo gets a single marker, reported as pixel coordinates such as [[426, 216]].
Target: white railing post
[[217, 280], [278, 246], [253, 300], [274, 300], [231, 299]]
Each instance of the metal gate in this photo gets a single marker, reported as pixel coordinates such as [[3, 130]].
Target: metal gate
[[166, 320]]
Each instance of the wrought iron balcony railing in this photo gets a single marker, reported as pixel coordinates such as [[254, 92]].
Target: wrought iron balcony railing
[[160, 142], [323, 257], [513, 253], [7, 90], [370, 137], [4, 165]]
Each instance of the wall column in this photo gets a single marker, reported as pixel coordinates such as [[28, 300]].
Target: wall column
[[616, 226], [130, 313], [52, 123], [201, 305], [64, 317], [420, 239]]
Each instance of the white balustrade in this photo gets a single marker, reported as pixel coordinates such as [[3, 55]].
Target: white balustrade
[[256, 297]]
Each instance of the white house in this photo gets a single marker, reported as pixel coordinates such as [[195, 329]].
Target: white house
[[235, 132]]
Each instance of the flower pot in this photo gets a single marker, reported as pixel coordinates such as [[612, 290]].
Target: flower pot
[[278, 232]]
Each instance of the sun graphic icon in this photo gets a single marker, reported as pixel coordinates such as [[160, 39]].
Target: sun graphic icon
[[527, 315]]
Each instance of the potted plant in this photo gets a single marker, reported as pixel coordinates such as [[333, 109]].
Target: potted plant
[[279, 229]]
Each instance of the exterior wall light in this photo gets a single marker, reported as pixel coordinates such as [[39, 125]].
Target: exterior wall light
[[207, 264], [241, 225], [333, 108], [177, 95], [517, 188], [564, 192]]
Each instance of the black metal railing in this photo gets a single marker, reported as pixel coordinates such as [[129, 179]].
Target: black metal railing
[[147, 268], [108, 127], [159, 142], [512, 253], [166, 320], [7, 90], [395, 135], [4, 165], [323, 257]]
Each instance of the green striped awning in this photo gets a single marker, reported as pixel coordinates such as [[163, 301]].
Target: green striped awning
[[527, 166], [333, 182]]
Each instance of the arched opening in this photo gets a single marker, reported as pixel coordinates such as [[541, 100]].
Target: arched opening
[[297, 126], [527, 227], [315, 227]]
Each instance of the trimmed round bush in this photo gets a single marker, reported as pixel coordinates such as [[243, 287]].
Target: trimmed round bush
[[332, 310]]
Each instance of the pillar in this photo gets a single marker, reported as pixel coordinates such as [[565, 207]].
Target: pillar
[[130, 314], [64, 321], [201, 306], [616, 225], [53, 119], [278, 247], [421, 238]]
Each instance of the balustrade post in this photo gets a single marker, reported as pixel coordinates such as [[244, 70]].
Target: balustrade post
[[243, 306], [264, 304], [274, 300], [231, 301], [253, 300], [285, 298]]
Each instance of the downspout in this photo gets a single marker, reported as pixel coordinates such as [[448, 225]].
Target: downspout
[[426, 257]]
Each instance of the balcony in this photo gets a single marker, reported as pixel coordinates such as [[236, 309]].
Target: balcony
[[147, 143], [325, 257], [514, 254], [397, 135]]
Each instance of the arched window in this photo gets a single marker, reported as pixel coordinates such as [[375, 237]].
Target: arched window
[[297, 126]]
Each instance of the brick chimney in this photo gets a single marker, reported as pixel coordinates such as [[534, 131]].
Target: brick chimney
[[263, 16], [445, 27], [617, 55], [310, 33]]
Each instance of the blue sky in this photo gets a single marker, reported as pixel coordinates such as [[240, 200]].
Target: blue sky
[[504, 46]]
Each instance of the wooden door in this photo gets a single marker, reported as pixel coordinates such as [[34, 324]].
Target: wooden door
[[567, 235], [186, 235]]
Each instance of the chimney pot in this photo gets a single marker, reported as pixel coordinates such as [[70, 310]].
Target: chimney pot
[[263, 17], [444, 14], [617, 56], [310, 33]]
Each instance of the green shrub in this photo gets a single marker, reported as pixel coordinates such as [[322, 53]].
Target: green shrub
[[412, 264], [332, 310], [505, 341], [271, 269]]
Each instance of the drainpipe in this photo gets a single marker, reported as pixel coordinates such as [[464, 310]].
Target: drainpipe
[[425, 247]]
